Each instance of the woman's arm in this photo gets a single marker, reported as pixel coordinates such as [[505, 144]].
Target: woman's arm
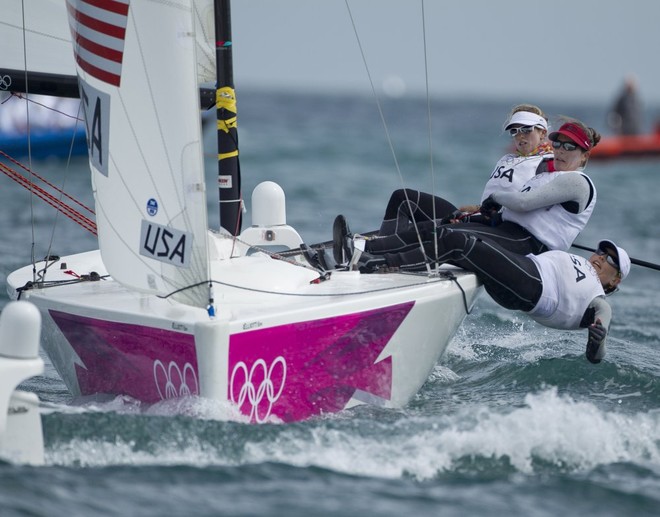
[[572, 186], [598, 329]]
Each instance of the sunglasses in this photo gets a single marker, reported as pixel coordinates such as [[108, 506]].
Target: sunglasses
[[569, 146], [612, 261], [525, 130]]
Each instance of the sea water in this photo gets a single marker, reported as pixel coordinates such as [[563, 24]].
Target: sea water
[[512, 421]]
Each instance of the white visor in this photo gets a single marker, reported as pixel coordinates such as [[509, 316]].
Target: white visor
[[525, 118]]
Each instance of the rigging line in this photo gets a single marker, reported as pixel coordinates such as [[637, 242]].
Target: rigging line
[[44, 180], [428, 115], [29, 141], [49, 199], [387, 133], [373, 91], [50, 108], [427, 281], [67, 168]]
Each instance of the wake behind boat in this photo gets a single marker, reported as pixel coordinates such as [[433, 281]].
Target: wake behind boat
[[165, 307]]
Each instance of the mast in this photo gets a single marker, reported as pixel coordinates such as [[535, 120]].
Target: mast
[[229, 179]]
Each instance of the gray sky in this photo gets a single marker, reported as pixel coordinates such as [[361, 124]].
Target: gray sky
[[529, 50]]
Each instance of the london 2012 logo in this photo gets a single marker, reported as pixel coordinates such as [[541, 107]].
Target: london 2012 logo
[[173, 382], [259, 387]]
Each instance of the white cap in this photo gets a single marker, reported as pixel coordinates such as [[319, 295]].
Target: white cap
[[624, 259], [526, 118]]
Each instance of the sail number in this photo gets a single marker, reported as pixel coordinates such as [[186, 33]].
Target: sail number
[[96, 108], [165, 244]]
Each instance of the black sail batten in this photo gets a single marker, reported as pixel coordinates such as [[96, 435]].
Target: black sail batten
[[229, 178]]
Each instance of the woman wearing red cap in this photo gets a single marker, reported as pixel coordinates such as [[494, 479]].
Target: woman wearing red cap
[[547, 213], [528, 126], [554, 206]]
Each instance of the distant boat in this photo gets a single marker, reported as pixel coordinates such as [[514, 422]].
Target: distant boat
[[49, 128], [45, 143], [628, 146]]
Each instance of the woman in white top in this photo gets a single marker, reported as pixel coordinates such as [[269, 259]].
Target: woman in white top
[[528, 127], [556, 288], [548, 211], [554, 206]]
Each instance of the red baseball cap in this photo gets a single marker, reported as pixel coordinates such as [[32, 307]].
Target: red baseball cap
[[575, 133]]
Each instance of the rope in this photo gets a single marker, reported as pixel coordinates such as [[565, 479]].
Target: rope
[[440, 278], [451, 276], [57, 203], [41, 178]]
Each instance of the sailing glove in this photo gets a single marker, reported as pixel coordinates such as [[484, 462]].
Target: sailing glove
[[595, 342], [448, 219], [489, 205]]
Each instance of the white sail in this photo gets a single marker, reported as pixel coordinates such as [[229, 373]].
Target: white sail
[[203, 18], [36, 37], [141, 103]]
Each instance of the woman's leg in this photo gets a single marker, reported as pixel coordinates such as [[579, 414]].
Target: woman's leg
[[510, 236], [511, 279], [406, 206]]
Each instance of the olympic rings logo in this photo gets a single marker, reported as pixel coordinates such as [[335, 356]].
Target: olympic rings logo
[[255, 395], [175, 381], [5, 82]]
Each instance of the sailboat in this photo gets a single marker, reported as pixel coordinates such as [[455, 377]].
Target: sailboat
[[167, 307]]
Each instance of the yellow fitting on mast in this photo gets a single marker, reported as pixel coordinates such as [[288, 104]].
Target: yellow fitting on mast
[[225, 98]]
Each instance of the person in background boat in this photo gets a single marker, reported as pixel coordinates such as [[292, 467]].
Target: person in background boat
[[528, 126], [625, 117], [548, 212], [555, 288]]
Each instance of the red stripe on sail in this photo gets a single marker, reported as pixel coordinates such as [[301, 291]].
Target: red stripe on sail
[[99, 73], [109, 5], [97, 25], [96, 41], [105, 52]]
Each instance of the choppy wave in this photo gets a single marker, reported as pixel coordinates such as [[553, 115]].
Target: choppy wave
[[547, 432]]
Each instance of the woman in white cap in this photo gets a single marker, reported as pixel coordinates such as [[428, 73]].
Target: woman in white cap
[[546, 213], [407, 209], [555, 205], [528, 126], [555, 288]]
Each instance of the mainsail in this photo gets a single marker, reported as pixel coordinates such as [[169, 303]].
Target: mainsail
[[138, 90]]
